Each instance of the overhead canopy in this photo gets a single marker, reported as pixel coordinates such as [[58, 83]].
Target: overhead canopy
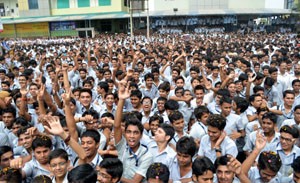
[[117, 15]]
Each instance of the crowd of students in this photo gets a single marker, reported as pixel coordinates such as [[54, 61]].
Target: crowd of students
[[194, 108]]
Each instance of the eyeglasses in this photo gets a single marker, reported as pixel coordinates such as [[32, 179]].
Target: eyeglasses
[[146, 102], [286, 139], [61, 164], [103, 175]]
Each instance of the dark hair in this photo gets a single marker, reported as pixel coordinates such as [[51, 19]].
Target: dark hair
[[272, 69], [171, 105], [241, 103], [4, 149], [9, 110], [296, 107], [41, 178], [158, 170], [222, 160], [202, 165], [93, 134], [86, 90], [200, 111], [269, 81], [104, 86], [113, 166], [91, 112], [296, 165], [290, 130], [136, 93], [156, 117], [269, 160], [186, 145], [146, 97], [262, 109], [217, 121], [10, 175], [148, 75], [257, 88], [252, 97], [134, 122], [225, 99], [271, 116], [288, 92], [58, 153], [223, 92], [168, 129], [175, 115], [108, 115], [295, 81], [164, 86], [41, 141], [84, 173]]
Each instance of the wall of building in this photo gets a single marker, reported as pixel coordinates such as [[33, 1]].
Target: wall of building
[[42, 10], [12, 7]]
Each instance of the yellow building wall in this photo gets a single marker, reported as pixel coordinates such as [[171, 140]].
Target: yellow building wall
[[23, 5], [8, 31], [116, 6], [40, 29]]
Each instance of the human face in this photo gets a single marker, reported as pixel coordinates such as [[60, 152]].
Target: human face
[[59, 167], [257, 102], [41, 154], [85, 99], [163, 93], [199, 94], [160, 136], [217, 99], [286, 141], [274, 76], [133, 136], [104, 177], [82, 74], [135, 101], [154, 126], [226, 108], [22, 81], [195, 83], [109, 100], [184, 160], [33, 90], [92, 125], [107, 75], [25, 140], [207, 177], [15, 128], [213, 133], [147, 105], [161, 105], [232, 89], [296, 87], [193, 74], [179, 83], [8, 119], [266, 175], [90, 146], [267, 125], [5, 159], [297, 115], [178, 125], [149, 82], [224, 175], [204, 118], [289, 99]]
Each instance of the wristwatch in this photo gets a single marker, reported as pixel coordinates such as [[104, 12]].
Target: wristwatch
[[218, 149]]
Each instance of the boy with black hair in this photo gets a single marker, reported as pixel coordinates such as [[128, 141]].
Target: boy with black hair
[[203, 170], [85, 101], [110, 170], [177, 121], [158, 172], [154, 122], [214, 107], [181, 167], [161, 150], [268, 129], [136, 158], [149, 90], [229, 169], [135, 100], [161, 110], [102, 89], [216, 143], [199, 128]]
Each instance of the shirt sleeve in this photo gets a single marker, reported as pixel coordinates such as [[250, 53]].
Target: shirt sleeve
[[28, 169], [146, 161]]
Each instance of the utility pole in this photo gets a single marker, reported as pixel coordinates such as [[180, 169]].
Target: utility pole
[[131, 20]]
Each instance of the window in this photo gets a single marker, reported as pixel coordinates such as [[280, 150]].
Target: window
[[33, 4], [104, 2], [83, 3], [63, 4]]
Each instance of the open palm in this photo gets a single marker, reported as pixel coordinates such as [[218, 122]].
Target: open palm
[[123, 92]]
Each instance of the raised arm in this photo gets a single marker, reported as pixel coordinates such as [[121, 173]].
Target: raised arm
[[123, 93], [260, 143]]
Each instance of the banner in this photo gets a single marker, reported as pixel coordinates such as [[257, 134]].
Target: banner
[[40, 29]]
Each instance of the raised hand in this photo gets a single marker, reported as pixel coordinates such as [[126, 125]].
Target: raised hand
[[234, 165], [260, 141], [123, 91], [54, 127], [41, 93]]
